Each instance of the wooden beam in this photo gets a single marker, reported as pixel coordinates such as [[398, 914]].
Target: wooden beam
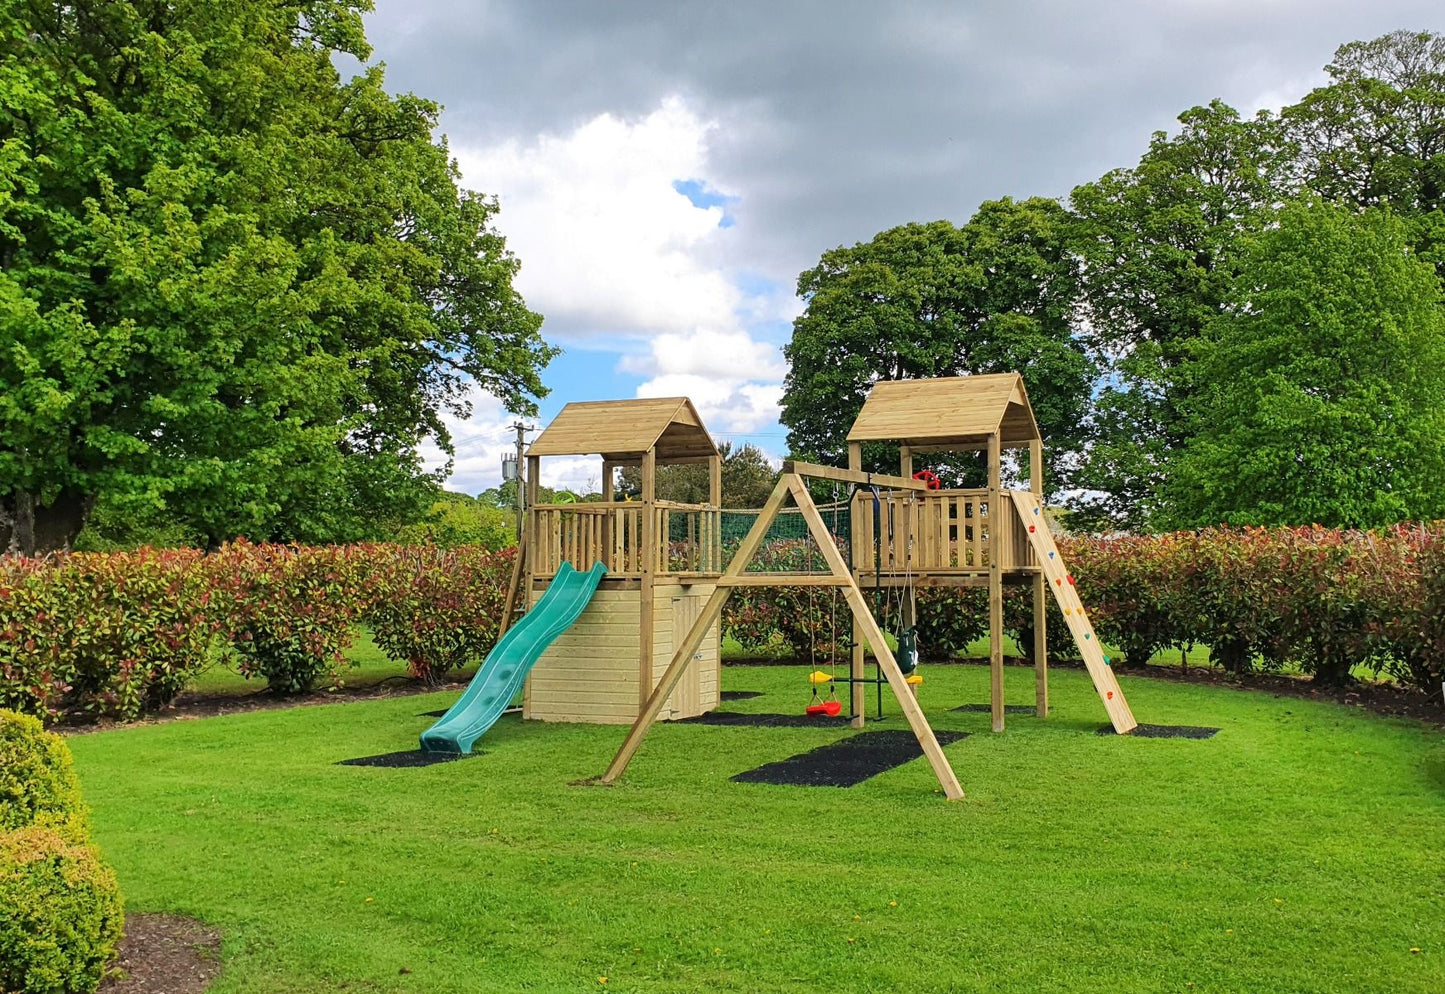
[[784, 580], [853, 476], [682, 657], [886, 662], [1041, 611], [995, 582], [648, 557], [509, 606], [905, 462], [861, 551]]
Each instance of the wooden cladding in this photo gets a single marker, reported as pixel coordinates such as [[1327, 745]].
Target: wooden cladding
[[689, 538], [940, 531]]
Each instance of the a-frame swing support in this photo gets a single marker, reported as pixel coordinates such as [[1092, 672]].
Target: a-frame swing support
[[791, 483]]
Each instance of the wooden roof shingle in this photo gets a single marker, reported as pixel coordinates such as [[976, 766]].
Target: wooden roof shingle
[[622, 430], [947, 410]]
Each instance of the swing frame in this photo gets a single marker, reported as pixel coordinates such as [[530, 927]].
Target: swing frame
[[839, 575]]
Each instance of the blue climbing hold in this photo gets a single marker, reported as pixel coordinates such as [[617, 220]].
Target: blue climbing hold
[[1036, 510], [1051, 555]]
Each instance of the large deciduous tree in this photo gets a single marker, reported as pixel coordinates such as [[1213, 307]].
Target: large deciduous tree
[[995, 295], [1316, 393], [1157, 244], [235, 286]]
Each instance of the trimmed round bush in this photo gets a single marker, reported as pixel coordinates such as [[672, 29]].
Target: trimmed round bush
[[37, 780], [60, 914]]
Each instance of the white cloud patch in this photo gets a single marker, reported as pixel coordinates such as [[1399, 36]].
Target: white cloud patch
[[613, 250], [608, 245], [484, 438]]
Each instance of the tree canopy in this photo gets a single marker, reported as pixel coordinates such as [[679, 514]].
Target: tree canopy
[[1317, 395], [235, 286], [995, 295]]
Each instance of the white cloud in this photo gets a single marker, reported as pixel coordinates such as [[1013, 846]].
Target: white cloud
[[611, 252], [607, 244]]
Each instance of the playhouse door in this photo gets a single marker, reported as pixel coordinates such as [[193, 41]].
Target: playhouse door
[[685, 701]]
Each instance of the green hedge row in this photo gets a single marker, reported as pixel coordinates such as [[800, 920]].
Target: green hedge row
[[1320, 599], [60, 906], [121, 634]]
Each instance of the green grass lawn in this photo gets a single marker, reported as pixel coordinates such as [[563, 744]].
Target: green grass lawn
[[1302, 849]]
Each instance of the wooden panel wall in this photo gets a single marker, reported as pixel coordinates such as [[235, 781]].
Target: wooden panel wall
[[591, 673]]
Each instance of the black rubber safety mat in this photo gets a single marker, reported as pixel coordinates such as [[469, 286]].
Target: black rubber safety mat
[[766, 720], [846, 762], [1166, 731], [1007, 708], [739, 695], [443, 713], [412, 757]]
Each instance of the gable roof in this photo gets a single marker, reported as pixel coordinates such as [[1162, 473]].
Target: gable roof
[[947, 410], [622, 430]]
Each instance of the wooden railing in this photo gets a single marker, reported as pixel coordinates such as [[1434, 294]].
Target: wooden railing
[[941, 531], [688, 538]]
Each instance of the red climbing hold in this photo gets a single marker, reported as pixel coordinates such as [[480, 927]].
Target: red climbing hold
[[1059, 582], [1031, 528], [1109, 695], [1071, 578]]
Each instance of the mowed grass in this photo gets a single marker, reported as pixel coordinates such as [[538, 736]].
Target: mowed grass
[[1301, 849]]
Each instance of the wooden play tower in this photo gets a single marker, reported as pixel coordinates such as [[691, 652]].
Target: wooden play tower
[[601, 670], [669, 574]]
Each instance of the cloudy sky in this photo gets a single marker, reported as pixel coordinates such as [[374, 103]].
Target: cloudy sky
[[666, 169]]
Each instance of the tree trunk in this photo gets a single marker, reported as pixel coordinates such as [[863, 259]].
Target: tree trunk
[[30, 528]]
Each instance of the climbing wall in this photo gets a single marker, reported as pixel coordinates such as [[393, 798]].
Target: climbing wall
[[1062, 584]]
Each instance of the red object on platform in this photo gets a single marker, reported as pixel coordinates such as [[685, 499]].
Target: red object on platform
[[929, 477]]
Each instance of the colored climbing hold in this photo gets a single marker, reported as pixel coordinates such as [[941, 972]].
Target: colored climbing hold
[[1031, 528], [1051, 555], [1059, 582], [1086, 636], [1109, 695], [1071, 578], [1036, 510], [1106, 660]]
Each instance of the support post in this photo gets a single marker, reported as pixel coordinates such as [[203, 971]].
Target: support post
[[609, 472], [857, 693], [714, 498], [1041, 614], [995, 582], [905, 462], [649, 557]]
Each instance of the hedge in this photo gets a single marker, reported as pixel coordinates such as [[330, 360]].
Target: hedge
[[436, 608], [1321, 599], [121, 633]]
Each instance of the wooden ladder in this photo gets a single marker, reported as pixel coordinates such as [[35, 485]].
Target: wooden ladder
[[1056, 574]]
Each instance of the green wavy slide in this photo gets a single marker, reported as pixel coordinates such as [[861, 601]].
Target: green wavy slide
[[511, 659]]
